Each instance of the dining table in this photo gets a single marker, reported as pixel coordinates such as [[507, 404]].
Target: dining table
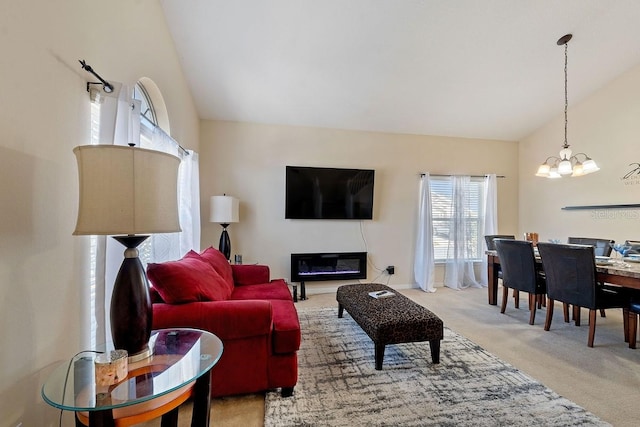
[[621, 272]]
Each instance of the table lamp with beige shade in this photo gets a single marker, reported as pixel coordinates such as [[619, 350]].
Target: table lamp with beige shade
[[128, 193]]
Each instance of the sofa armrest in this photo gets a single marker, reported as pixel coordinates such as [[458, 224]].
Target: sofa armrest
[[226, 319], [250, 274]]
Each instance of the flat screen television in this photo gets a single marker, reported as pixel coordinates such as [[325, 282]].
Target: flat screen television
[[328, 193]]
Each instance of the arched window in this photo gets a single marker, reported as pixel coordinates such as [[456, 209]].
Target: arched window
[[147, 111], [154, 134], [151, 129]]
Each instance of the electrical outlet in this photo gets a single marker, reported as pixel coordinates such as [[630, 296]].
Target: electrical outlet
[[391, 270]]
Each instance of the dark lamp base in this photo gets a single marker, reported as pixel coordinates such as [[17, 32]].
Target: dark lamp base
[[131, 310], [224, 245], [144, 354]]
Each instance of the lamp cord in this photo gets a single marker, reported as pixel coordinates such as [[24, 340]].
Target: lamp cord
[[66, 378]]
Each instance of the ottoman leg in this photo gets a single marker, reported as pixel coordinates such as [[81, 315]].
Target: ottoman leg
[[340, 310], [379, 355], [435, 350]]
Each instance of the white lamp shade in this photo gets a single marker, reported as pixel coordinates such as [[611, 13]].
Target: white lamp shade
[[565, 167], [553, 173], [224, 209], [590, 166], [126, 190], [543, 170], [578, 170]]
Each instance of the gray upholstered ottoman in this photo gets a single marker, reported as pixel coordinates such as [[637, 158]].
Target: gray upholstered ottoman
[[391, 320]]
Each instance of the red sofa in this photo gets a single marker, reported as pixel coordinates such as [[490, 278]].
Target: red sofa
[[253, 315]]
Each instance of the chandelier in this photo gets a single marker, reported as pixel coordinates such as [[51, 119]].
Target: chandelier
[[567, 163]]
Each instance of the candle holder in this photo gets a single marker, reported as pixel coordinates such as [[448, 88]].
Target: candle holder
[[111, 367]]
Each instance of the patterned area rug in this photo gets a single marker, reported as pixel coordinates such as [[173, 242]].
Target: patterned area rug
[[339, 386]]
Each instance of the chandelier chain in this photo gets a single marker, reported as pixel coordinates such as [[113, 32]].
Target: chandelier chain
[[566, 96]]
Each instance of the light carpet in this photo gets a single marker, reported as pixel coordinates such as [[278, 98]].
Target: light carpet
[[338, 384]]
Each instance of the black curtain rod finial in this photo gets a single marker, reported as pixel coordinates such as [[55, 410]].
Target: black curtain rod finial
[[106, 86]]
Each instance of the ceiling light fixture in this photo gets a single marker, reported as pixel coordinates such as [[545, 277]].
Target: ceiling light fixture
[[567, 164]]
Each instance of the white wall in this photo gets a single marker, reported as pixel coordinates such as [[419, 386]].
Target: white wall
[[607, 127], [248, 161], [44, 113]]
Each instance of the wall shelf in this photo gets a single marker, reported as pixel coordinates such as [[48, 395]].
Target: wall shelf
[[622, 206]]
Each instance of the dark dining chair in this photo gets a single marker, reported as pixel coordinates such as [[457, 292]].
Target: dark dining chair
[[489, 239], [602, 247], [491, 246], [634, 311], [571, 279], [520, 273]]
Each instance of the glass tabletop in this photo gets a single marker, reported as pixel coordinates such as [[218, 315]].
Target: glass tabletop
[[180, 356]]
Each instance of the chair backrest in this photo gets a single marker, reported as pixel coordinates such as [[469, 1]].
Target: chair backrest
[[571, 273], [518, 264], [490, 238], [602, 247]]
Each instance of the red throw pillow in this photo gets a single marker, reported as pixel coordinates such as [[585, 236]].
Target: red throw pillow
[[220, 264], [187, 280]]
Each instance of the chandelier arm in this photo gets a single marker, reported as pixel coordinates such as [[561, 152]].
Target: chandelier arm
[[554, 158], [583, 154]]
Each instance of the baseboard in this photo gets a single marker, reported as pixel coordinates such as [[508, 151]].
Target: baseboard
[[315, 290]]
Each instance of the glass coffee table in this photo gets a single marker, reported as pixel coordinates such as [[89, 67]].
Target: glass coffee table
[[179, 368]]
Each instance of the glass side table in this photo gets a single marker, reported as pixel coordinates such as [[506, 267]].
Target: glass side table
[[179, 368]]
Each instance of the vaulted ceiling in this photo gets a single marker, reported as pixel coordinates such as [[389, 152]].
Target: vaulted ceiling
[[468, 68]]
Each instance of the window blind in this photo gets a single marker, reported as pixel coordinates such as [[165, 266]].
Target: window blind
[[441, 189]]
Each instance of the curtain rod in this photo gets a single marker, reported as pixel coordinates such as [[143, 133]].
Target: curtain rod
[[180, 147], [472, 176]]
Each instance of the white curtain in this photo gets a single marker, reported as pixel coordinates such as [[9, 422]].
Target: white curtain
[[424, 265], [459, 272], [119, 123], [116, 121], [189, 202], [172, 246], [490, 219]]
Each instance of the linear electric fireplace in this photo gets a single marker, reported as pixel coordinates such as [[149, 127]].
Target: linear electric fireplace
[[313, 267]]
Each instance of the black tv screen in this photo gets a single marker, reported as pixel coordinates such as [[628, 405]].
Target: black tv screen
[[328, 193]]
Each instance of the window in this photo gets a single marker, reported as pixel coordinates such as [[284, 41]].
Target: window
[[148, 121], [444, 213], [148, 124], [147, 111], [154, 135]]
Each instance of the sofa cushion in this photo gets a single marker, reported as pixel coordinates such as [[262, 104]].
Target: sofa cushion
[[250, 274], [155, 295], [275, 290], [220, 264], [229, 320], [187, 280], [286, 327]]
